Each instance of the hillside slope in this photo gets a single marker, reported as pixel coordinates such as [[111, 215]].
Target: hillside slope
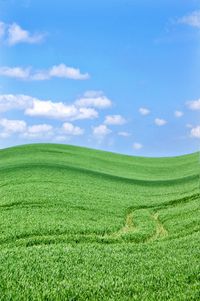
[[82, 224]]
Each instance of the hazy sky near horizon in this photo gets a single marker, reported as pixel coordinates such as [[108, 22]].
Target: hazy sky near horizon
[[118, 75]]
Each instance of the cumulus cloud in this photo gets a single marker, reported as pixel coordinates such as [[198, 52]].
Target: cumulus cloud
[[124, 134], [178, 114], [71, 130], [45, 108], [192, 19], [15, 72], [59, 71], [137, 146], [38, 131], [194, 105], [59, 110], [94, 99], [9, 102], [160, 122], [16, 35], [114, 120], [101, 131], [67, 72], [144, 111], [10, 127], [85, 113], [67, 112], [195, 132], [44, 131]]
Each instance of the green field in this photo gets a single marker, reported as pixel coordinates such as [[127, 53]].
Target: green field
[[81, 224]]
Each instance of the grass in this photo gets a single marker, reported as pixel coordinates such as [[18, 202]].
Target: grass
[[81, 224]]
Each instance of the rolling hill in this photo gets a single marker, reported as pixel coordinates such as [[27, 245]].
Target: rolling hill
[[83, 224]]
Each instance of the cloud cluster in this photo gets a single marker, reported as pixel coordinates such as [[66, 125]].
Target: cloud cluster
[[15, 102], [101, 131], [22, 129], [94, 99], [38, 131], [59, 110], [59, 71], [14, 34], [12, 127], [84, 107], [47, 108], [192, 19], [114, 120], [71, 130]]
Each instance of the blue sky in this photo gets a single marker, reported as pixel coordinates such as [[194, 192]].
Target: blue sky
[[117, 75]]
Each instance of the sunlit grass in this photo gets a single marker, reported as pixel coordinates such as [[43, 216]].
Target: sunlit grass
[[81, 224]]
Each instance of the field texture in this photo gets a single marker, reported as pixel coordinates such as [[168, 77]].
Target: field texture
[[80, 224]]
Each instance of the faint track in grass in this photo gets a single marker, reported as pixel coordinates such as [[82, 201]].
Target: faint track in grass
[[160, 232], [129, 228]]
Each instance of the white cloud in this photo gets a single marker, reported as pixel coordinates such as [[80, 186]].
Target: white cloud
[[144, 111], [195, 132], [32, 106], [12, 126], [192, 19], [85, 113], [160, 122], [124, 134], [60, 71], [18, 35], [59, 110], [194, 105], [47, 108], [137, 145], [9, 102], [101, 131], [67, 72], [15, 72], [178, 114], [94, 99], [114, 120], [38, 131], [71, 130]]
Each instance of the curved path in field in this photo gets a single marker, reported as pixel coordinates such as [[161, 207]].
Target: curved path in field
[[154, 194], [129, 233]]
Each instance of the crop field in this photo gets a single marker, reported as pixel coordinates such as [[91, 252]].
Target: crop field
[[81, 224]]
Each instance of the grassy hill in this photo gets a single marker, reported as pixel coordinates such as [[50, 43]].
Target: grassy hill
[[82, 224]]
